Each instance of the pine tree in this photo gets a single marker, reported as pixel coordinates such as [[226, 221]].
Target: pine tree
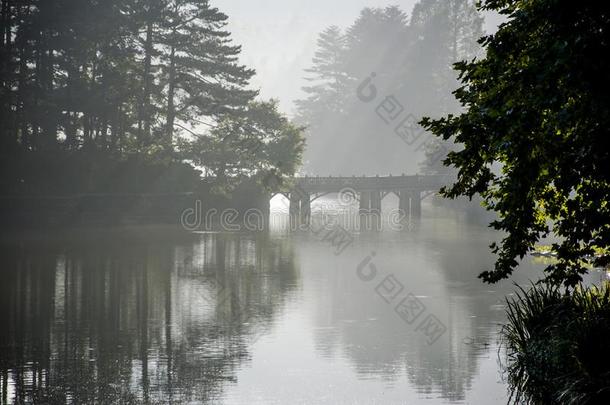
[[448, 31], [328, 95], [329, 79], [8, 76], [338, 131], [86, 84], [376, 42], [202, 77]]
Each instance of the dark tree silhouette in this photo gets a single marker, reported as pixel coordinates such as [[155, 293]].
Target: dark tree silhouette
[[91, 90], [537, 108]]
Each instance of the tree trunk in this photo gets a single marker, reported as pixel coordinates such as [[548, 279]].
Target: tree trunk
[[5, 10], [171, 109], [47, 120], [144, 113], [21, 99], [6, 118]]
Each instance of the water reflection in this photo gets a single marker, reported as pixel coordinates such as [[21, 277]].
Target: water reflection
[[353, 319], [152, 315], [133, 316]]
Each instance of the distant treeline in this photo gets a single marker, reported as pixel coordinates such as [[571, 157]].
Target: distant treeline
[[130, 95], [408, 58]]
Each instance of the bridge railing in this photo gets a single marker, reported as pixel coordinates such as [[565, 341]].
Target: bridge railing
[[415, 182]]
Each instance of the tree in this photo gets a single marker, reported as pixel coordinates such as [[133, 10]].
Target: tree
[[328, 95], [447, 31], [409, 59], [260, 142], [327, 74], [88, 86], [376, 42], [202, 78], [337, 135], [537, 108]]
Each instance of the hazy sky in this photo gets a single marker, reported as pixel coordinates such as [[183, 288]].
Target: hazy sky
[[279, 37]]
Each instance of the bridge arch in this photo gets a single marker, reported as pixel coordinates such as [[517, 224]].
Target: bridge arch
[[410, 190]]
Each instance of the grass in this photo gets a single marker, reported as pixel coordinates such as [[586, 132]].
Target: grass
[[558, 345]]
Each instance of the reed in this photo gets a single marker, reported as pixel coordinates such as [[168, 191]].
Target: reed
[[557, 345]]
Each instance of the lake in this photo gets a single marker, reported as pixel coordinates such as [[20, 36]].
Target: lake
[[160, 315]]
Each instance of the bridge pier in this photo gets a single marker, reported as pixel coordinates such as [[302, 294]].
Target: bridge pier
[[299, 208], [404, 203], [370, 189], [370, 210], [365, 202], [305, 209], [375, 203], [415, 204], [294, 209]]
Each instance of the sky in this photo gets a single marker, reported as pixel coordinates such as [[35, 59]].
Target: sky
[[278, 37]]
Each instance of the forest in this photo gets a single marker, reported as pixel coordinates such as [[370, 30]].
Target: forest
[[131, 96], [411, 57], [150, 96]]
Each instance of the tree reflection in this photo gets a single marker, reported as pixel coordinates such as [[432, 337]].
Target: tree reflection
[[132, 316], [438, 263]]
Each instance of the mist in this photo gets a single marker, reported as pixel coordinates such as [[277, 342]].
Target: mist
[[292, 29], [304, 202], [358, 142]]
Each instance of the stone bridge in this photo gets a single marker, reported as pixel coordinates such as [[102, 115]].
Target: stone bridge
[[369, 191]]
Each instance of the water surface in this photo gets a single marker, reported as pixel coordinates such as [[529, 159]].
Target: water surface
[[159, 315]]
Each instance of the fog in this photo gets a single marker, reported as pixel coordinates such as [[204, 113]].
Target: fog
[[279, 40], [304, 201], [278, 37]]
